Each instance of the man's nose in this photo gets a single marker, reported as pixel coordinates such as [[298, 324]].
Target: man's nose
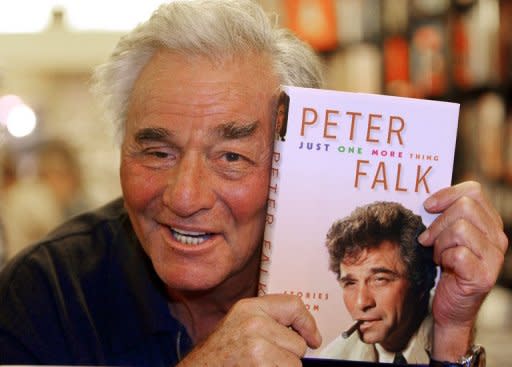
[[365, 299], [190, 186]]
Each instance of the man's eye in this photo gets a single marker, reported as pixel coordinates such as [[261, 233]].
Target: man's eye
[[347, 283], [233, 157], [381, 280], [160, 154], [157, 153]]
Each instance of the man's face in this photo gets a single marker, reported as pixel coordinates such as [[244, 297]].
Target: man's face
[[195, 165], [376, 291]]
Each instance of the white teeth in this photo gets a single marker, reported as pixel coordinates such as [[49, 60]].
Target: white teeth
[[189, 237], [189, 233]]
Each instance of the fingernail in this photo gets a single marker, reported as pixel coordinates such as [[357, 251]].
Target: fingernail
[[423, 237], [430, 202]]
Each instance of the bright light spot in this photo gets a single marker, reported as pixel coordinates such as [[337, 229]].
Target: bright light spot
[[27, 16], [7, 102], [108, 15], [24, 16], [21, 121]]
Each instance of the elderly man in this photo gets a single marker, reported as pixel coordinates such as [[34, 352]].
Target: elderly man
[[167, 275], [386, 278]]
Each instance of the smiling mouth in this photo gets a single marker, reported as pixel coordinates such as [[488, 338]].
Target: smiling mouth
[[190, 238]]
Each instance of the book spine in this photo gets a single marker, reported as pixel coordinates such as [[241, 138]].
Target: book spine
[[269, 221]]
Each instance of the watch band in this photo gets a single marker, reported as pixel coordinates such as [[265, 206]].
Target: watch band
[[434, 363], [475, 357]]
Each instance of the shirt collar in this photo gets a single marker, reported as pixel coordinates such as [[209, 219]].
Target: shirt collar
[[418, 348]]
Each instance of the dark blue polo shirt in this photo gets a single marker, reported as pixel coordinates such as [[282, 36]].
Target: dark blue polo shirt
[[87, 294]]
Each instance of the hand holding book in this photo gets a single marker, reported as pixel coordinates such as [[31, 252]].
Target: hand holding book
[[269, 330], [469, 245]]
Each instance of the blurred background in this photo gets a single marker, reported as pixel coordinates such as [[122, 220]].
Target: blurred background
[[58, 155]]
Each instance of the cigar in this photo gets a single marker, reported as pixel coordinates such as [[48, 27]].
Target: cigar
[[351, 329]]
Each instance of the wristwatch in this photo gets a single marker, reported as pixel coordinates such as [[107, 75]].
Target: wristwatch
[[475, 357]]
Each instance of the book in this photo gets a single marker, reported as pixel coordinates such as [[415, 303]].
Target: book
[[334, 152]]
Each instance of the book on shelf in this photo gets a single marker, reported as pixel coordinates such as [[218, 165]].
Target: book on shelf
[[336, 152]]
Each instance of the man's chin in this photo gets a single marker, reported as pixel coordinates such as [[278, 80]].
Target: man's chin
[[190, 285], [370, 337], [182, 280]]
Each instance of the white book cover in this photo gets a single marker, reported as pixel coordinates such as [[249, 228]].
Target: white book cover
[[337, 151]]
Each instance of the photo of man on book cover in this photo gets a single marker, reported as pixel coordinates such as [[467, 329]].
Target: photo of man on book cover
[[386, 279]]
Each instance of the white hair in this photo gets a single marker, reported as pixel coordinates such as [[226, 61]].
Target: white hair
[[209, 28]]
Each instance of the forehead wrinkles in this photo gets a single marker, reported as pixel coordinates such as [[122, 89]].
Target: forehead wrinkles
[[197, 99], [175, 86]]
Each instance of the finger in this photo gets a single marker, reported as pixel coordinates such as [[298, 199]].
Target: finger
[[252, 351], [443, 198], [455, 236], [464, 236], [279, 335], [284, 358], [290, 311], [451, 260], [269, 354], [473, 277], [470, 210]]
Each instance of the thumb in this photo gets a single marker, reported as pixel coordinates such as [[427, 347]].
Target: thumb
[[290, 311]]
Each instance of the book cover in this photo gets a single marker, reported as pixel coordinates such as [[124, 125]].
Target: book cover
[[339, 159]]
